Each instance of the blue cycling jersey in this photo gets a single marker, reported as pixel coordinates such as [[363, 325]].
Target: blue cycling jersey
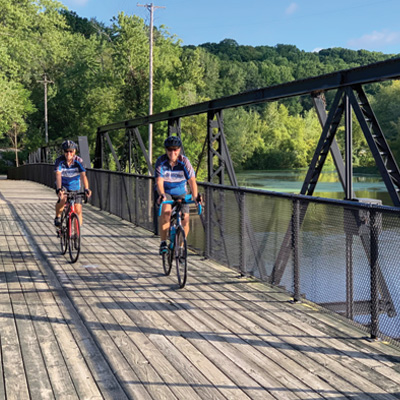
[[176, 177], [70, 174]]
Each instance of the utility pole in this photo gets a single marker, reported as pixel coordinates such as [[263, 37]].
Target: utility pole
[[151, 7], [46, 125]]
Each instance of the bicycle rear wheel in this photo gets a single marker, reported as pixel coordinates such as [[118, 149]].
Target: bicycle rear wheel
[[180, 254], [63, 233], [74, 238]]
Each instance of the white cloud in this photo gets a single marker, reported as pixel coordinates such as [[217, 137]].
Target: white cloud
[[375, 40], [291, 9], [317, 49]]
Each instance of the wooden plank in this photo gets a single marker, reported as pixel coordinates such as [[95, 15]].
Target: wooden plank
[[352, 345], [220, 337], [193, 365], [60, 378], [70, 362], [119, 263], [103, 333], [349, 365], [15, 384], [154, 368], [61, 309], [227, 366], [262, 394]]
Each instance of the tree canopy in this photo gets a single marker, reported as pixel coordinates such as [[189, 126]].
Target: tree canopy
[[99, 75]]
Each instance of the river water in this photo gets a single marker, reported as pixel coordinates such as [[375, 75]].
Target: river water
[[365, 185]]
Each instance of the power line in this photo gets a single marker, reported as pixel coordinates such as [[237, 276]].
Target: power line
[[45, 81], [151, 7]]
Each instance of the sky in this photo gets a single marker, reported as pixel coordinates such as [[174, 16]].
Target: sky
[[310, 25]]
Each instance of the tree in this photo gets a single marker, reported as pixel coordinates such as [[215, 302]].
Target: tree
[[15, 107], [131, 60], [386, 105], [289, 141], [243, 131]]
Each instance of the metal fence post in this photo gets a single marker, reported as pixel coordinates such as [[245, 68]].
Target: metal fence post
[[374, 276], [242, 234], [295, 248], [155, 213], [349, 277], [208, 222], [136, 201]]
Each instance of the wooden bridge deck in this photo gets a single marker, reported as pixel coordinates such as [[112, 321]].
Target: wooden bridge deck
[[112, 326]]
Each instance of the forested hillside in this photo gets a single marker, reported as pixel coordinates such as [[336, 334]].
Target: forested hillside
[[99, 75]]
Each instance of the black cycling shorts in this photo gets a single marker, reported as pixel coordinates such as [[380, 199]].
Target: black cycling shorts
[[78, 199], [185, 207]]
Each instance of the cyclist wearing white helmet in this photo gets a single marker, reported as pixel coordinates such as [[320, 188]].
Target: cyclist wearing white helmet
[[172, 172], [70, 175]]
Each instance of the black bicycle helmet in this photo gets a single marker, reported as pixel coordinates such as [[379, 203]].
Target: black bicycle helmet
[[172, 141], [69, 144]]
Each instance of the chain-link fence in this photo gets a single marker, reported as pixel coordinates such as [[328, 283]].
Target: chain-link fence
[[341, 255]]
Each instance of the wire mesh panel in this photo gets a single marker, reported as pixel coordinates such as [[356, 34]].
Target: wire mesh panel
[[145, 203], [322, 256], [197, 235], [223, 226], [341, 255], [114, 194], [267, 222], [388, 274], [128, 198], [98, 181]]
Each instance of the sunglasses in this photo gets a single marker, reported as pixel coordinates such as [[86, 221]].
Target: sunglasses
[[69, 151], [173, 148]]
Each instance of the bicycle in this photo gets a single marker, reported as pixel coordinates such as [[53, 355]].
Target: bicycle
[[177, 247], [69, 231]]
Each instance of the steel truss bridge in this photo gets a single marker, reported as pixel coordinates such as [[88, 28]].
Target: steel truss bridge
[[349, 96]]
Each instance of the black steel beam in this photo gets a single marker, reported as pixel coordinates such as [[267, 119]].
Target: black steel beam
[[380, 71], [348, 150], [319, 105]]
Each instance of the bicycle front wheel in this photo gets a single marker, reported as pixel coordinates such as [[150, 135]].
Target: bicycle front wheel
[[180, 254], [74, 238], [167, 261], [63, 233]]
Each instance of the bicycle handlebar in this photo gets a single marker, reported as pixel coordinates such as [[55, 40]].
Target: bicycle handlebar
[[183, 201], [71, 195]]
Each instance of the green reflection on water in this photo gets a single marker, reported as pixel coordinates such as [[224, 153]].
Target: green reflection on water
[[365, 186]]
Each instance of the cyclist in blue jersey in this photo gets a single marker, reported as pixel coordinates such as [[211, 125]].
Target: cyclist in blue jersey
[[70, 175], [172, 172]]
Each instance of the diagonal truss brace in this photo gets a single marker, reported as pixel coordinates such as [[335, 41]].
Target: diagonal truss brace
[[383, 157], [377, 143], [100, 149], [321, 153]]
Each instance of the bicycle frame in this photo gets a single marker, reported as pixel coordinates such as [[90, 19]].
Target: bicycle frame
[[178, 245], [70, 234], [70, 206]]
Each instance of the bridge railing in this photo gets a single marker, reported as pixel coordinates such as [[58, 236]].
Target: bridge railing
[[340, 255]]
